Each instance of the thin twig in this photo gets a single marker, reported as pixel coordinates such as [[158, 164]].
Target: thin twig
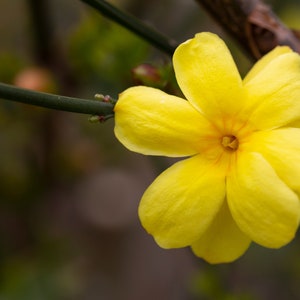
[[135, 25], [70, 104]]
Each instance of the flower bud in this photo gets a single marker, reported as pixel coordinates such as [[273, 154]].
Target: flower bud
[[146, 74]]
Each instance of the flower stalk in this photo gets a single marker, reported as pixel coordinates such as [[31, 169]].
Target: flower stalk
[[135, 25], [58, 102]]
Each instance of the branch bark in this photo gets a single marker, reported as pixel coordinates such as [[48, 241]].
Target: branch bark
[[253, 24]]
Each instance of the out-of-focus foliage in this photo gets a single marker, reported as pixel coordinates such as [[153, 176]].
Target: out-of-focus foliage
[[10, 65], [69, 191], [100, 49]]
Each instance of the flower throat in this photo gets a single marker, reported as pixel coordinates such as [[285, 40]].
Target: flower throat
[[230, 142]]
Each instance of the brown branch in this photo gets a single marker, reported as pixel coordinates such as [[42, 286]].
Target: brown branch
[[253, 24]]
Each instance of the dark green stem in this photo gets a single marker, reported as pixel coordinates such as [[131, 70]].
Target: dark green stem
[[70, 104], [135, 25]]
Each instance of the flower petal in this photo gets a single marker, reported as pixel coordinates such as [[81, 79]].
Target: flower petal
[[182, 202], [265, 61], [223, 241], [152, 122], [207, 75], [261, 204], [274, 92], [281, 148]]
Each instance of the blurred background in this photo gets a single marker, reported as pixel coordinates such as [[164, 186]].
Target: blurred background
[[69, 191]]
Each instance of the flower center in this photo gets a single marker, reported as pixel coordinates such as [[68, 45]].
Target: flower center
[[230, 142]]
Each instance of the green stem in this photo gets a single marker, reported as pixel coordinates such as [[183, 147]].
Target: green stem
[[70, 104], [135, 25]]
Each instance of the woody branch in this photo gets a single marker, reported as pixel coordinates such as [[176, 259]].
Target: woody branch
[[253, 24]]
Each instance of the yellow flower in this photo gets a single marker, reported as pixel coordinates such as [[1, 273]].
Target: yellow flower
[[241, 182]]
